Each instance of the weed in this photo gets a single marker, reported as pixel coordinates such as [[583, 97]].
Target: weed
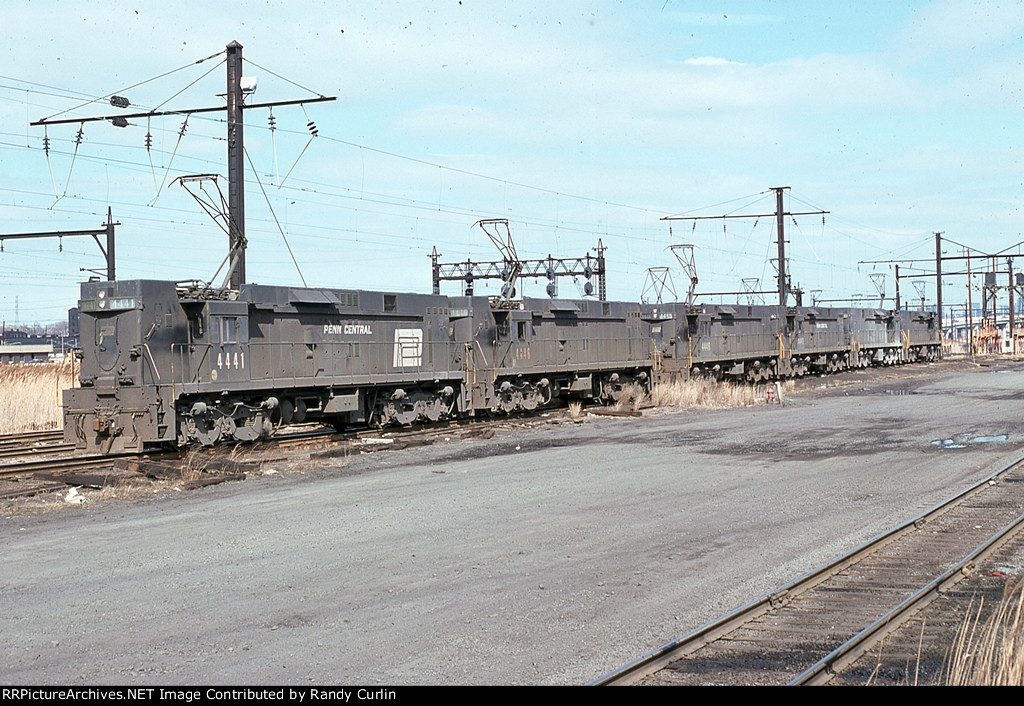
[[30, 396], [990, 653], [706, 392]]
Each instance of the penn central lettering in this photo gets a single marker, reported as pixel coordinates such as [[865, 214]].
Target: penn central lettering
[[347, 330]]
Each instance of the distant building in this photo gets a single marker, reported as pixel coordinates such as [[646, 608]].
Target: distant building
[[13, 335], [25, 353]]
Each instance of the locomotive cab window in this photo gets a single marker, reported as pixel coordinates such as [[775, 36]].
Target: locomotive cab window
[[197, 327], [229, 329]]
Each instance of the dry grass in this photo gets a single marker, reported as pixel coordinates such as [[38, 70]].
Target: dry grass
[[83, 497], [30, 396], [705, 392], [193, 465], [990, 653]]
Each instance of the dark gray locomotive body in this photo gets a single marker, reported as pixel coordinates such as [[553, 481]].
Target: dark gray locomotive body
[[759, 343], [174, 365], [171, 364]]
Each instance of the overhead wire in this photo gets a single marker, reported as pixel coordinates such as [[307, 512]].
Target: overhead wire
[[125, 89], [394, 201], [276, 221]]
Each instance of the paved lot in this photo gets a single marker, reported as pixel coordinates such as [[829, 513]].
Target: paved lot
[[546, 555]]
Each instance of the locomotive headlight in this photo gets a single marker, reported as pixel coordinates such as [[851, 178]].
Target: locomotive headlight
[[102, 303]]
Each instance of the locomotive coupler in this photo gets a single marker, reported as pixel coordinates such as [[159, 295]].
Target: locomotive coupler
[[103, 425]]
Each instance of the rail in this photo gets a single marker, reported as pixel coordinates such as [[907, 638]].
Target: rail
[[690, 643]]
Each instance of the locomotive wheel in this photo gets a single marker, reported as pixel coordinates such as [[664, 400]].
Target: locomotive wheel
[[429, 409], [196, 428], [403, 416], [507, 403], [251, 430], [286, 410], [531, 398]]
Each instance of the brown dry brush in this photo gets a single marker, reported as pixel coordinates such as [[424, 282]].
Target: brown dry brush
[[30, 396], [990, 653], [706, 392]]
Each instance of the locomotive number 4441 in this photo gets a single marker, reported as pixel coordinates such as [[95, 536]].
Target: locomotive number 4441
[[229, 360]]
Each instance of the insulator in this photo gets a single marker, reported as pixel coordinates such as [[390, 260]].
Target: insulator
[[181, 132], [273, 122], [312, 128], [119, 101], [46, 145], [149, 141], [119, 122], [60, 244], [79, 136]]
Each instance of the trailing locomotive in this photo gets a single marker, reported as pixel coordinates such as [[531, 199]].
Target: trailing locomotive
[[176, 364]]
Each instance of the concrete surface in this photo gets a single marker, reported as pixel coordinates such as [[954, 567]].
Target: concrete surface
[[549, 554]]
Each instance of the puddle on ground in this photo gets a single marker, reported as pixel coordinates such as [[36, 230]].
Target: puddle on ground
[[960, 441]]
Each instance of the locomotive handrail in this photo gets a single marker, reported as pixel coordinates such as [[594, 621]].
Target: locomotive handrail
[[377, 356]]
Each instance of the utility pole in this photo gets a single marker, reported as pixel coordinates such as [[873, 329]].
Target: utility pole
[[970, 309], [235, 105], [781, 226], [784, 288], [897, 287], [938, 279], [236, 166], [1009, 288]]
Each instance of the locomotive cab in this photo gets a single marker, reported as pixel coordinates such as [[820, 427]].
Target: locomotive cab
[[127, 330]]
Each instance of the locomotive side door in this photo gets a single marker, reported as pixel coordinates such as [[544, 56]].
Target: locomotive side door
[[229, 338]]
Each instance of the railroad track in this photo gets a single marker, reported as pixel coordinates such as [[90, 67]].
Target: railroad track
[[33, 443], [19, 478], [816, 626], [29, 437]]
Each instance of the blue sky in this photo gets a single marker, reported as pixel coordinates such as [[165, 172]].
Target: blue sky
[[574, 120]]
